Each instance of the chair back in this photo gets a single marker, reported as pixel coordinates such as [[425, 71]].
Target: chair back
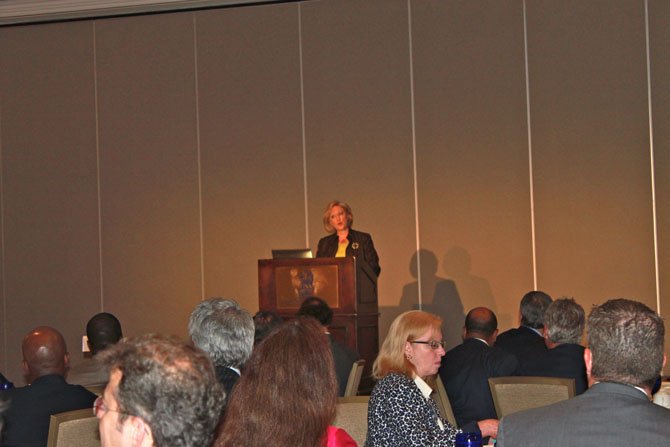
[[78, 428], [354, 378], [442, 399], [96, 389], [352, 416], [512, 394]]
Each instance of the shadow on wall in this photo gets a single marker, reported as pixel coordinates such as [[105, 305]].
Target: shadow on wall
[[439, 296]]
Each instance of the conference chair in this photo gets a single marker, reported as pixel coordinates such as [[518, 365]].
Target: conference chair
[[442, 399], [96, 389], [78, 428], [354, 378], [352, 416], [512, 394]]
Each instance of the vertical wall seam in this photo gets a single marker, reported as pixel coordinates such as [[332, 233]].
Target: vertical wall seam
[[302, 125], [196, 86], [97, 162], [413, 119], [651, 157], [530, 149], [2, 239]]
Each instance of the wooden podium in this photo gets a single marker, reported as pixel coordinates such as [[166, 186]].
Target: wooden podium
[[349, 288]]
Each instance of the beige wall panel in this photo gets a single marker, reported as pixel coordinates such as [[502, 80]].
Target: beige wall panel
[[472, 159], [50, 211], [358, 129], [591, 149], [251, 140], [659, 39], [149, 176]]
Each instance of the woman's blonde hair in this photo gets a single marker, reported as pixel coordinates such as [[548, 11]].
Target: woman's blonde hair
[[407, 326], [326, 215]]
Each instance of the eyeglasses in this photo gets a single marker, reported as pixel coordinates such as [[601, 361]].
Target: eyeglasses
[[434, 344], [100, 407]]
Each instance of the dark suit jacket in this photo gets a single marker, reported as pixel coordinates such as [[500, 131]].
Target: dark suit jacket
[[565, 360], [227, 378], [360, 246], [524, 343], [608, 414], [465, 371], [344, 359], [27, 419]]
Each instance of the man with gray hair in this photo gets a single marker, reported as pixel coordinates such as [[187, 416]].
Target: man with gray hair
[[161, 392], [225, 331], [527, 341], [623, 360], [564, 357]]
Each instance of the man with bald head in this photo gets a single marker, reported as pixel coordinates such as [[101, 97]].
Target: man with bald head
[[465, 369], [45, 360]]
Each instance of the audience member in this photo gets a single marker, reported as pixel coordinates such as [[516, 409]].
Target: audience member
[[265, 321], [288, 393], [400, 411], [564, 357], [225, 331], [527, 341], [344, 357], [45, 360], [623, 359], [161, 392], [102, 331], [465, 369]]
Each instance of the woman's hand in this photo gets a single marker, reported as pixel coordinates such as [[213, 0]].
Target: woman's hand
[[488, 427]]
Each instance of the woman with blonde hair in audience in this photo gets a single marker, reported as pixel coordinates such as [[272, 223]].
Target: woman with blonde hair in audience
[[287, 395], [401, 412]]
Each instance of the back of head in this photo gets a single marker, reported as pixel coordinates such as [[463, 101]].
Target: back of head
[[103, 330], [626, 342], [44, 352], [169, 384], [408, 326], [265, 321], [564, 320], [317, 308], [288, 393], [533, 306], [224, 330], [480, 322]]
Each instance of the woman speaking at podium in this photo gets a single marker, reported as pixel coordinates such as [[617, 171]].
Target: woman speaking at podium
[[343, 240]]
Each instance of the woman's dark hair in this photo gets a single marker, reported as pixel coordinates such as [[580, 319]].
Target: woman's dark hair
[[287, 394]]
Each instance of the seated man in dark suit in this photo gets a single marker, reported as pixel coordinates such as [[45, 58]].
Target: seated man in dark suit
[[563, 329], [344, 357], [225, 331], [623, 360], [45, 359], [527, 341], [102, 331], [465, 369]]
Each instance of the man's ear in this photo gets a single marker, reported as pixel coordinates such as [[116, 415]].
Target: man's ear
[[493, 338], [588, 361], [66, 359], [140, 432]]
